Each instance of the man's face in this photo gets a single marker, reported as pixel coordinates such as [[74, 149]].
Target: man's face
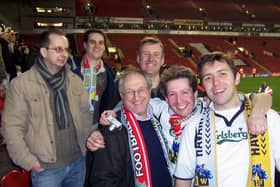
[[151, 58], [13, 37], [135, 94], [180, 96], [56, 54], [95, 46], [220, 84]]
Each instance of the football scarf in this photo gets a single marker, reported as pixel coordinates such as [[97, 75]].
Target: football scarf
[[177, 124], [259, 169], [90, 79], [139, 151], [206, 169]]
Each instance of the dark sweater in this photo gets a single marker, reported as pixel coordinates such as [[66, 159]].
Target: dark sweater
[[159, 170]]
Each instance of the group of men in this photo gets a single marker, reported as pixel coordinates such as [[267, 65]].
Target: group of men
[[51, 113]]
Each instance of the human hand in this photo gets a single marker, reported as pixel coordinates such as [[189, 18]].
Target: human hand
[[257, 124], [95, 141], [37, 167], [103, 120]]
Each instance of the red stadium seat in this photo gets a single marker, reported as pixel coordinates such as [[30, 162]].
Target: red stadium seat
[[16, 178]]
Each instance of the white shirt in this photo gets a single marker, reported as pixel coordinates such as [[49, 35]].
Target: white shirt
[[233, 150], [162, 111]]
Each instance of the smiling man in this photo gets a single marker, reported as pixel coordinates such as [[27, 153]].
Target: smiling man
[[150, 57], [98, 77], [135, 155], [216, 149], [179, 86]]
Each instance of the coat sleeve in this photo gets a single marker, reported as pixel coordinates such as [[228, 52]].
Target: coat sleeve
[[112, 166], [14, 126]]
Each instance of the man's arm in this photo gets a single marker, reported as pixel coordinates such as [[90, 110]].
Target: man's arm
[[257, 122], [183, 183], [14, 126], [95, 140]]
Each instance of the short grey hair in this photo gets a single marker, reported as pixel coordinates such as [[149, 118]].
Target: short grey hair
[[132, 70]]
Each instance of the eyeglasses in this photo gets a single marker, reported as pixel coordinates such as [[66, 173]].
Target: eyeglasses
[[140, 92], [59, 49]]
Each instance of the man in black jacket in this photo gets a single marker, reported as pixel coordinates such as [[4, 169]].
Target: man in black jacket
[[136, 154]]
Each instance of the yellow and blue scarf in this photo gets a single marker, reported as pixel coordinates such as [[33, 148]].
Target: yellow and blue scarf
[[259, 174]]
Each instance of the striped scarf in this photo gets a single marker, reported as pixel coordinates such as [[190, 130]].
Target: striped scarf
[[139, 153], [90, 80], [259, 174], [57, 83]]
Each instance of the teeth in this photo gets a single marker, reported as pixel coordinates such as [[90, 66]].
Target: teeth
[[181, 107], [219, 91]]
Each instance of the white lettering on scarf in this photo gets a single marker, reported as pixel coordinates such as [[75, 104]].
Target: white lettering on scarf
[[136, 156]]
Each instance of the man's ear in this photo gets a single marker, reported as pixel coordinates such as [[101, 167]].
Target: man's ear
[[162, 61], [195, 94], [85, 45], [121, 95], [43, 52], [138, 59], [237, 78]]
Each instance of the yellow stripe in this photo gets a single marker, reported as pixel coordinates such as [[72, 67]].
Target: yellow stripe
[[259, 154], [215, 144]]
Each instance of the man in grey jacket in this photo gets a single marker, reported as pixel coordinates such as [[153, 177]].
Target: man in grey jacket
[[46, 119]]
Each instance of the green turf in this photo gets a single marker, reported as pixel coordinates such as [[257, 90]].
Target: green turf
[[251, 84]]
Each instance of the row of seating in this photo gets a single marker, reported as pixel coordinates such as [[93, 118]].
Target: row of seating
[[219, 10], [261, 53], [252, 55]]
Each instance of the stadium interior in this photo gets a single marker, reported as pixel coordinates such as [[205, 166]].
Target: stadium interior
[[188, 28], [248, 29]]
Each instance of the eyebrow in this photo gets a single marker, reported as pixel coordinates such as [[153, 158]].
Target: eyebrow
[[220, 70]]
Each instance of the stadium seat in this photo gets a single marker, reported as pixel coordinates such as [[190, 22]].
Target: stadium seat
[[16, 178]]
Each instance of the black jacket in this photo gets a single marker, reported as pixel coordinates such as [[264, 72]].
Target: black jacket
[[111, 166]]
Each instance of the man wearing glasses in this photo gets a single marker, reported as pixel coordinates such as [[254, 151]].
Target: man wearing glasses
[[136, 154], [46, 118]]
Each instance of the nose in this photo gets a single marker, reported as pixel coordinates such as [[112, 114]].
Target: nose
[[178, 99], [97, 45], [216, 80], [150, 57], [136, 95]]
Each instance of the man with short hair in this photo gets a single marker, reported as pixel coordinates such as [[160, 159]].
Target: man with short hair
[[135, 155], [46, 119], [150, 57], [216, 149], [179, 86], [98, 77]]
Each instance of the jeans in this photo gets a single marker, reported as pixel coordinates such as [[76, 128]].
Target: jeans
[[72, 175]]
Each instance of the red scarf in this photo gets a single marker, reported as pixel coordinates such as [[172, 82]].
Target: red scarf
[[175, 122], [139, 151]]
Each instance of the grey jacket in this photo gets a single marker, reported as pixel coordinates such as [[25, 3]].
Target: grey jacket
[[28, 121]]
